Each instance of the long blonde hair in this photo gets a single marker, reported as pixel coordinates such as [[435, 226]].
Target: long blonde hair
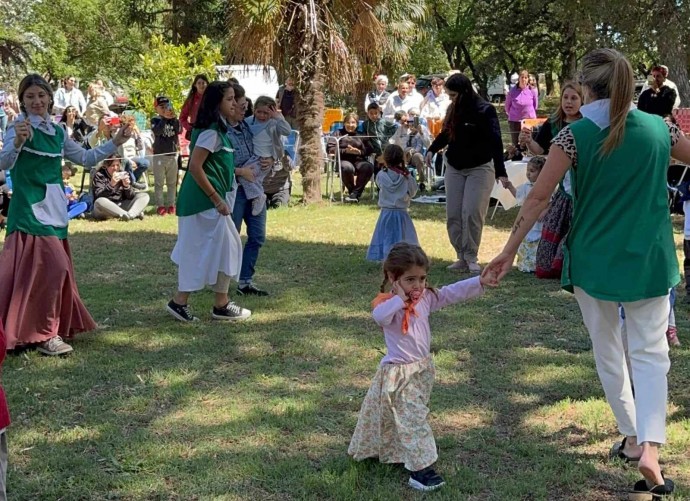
[[609, 75]]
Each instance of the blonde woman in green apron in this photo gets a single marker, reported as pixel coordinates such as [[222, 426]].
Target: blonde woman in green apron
[[39, 300], [620, 248]]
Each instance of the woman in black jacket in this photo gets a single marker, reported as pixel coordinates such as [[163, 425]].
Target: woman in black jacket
[[354, 151], [74, 125], [474, 160]]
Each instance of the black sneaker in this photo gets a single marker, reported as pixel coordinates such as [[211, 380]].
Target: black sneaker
[[181, 312], [425, 480], [250, 290], [352, 199], [230, 311]]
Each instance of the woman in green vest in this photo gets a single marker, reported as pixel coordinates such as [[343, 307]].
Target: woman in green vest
[[208, 249], [39, 300], [620, 247]]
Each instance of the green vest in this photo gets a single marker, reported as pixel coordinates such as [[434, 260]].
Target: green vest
[[219, 168], [39, 205], [620, 246]]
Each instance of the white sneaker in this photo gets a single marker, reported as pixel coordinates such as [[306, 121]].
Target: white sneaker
[[258, 204], [54, 346]]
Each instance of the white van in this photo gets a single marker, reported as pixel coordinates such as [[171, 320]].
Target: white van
[[497, 89], [257, 80]]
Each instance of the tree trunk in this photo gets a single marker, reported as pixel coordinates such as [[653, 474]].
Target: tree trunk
[[311, 108], [549, 83], [568, 56], [672, 52]]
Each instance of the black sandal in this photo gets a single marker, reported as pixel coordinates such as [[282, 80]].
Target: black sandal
[[643, 492], [616, 452]]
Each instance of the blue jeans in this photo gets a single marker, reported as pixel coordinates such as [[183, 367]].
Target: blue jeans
[[142, 166], [256, 233]]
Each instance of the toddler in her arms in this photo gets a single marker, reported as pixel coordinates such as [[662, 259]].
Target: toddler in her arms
[[396, 188], [393, 424], [267, 126], [527, 252]]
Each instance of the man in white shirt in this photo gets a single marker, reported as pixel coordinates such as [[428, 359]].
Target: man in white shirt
[[400, 101], [68, 95], [436, 101], [414, 95]]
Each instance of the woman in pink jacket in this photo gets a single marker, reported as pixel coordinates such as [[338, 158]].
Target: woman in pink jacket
[[522, 102], [191, 104]]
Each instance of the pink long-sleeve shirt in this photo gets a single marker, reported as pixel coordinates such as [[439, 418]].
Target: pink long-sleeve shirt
[[522, 103], [415, 345]]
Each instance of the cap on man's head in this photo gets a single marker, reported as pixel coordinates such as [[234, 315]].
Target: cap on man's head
[[162, 101]]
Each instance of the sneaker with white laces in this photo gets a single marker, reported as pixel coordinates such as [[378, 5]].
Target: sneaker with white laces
[[258, 204], [54, 346], [426, 480], [181, 312], [231, 312]]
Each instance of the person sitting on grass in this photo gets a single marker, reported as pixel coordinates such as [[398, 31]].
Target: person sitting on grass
[[392, 424], [114, 195], [75, 208]]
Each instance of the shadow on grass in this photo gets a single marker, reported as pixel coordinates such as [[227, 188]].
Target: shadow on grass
[[148, 408]]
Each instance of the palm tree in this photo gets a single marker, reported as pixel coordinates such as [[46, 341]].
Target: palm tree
[[321, 44]]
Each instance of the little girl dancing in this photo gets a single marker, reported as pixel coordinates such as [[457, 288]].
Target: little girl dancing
[[392, 424], [396, 189]]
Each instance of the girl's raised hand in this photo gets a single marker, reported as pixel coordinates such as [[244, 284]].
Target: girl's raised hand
[[22, 132], [398, 291]]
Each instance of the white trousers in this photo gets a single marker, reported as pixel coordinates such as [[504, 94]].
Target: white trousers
[[644, 415]]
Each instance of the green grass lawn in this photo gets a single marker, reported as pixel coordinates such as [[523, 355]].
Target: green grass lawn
[[147, 408]]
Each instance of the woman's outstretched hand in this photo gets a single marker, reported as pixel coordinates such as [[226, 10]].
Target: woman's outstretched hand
[[497, 269]]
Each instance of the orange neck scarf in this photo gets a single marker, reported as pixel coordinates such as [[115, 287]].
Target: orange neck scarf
[[408, 309]]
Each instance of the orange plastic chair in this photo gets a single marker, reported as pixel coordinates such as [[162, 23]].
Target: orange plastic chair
[[532, 122], [330, 116], [435, 126]]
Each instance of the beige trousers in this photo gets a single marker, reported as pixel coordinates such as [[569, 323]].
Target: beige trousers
[[165, 173], [467, 200], [646, 321]]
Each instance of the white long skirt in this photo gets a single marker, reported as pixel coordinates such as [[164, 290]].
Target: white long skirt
[[207, 243]]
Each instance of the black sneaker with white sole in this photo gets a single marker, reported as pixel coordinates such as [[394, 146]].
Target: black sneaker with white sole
[[231, 311], [426, 480], [250, 290], [181, 312]]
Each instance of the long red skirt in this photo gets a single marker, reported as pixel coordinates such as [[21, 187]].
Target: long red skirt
[[38, 294]]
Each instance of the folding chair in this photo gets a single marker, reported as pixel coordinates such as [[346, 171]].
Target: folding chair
[[677, 175]]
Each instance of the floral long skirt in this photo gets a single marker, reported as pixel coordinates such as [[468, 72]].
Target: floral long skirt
[[392, 424], [554, 230]]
